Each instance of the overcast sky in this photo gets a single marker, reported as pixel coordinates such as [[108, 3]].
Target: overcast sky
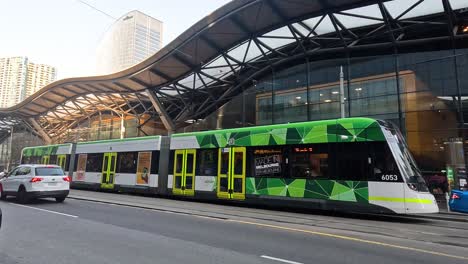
[[66, 33]]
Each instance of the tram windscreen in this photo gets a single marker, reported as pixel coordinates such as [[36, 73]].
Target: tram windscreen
[[403, 157]]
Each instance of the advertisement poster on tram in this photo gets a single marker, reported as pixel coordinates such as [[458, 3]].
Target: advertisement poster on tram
[[81, 167], [143, 168]]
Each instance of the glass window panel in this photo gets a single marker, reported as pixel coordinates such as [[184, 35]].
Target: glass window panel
[[224, 162], [127, 162], [179, 163], [310, 161], [458, 4], [94, 162], [207, 162], [275, 43], [189, 164]]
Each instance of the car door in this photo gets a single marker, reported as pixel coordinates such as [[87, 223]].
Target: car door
[[22, 175], [8, 181]]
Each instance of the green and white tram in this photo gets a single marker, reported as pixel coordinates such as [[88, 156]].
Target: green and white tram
[[353, 164]]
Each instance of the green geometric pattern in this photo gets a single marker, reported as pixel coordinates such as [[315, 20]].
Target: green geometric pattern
[[40, 151], [338, 130], [351, 191]]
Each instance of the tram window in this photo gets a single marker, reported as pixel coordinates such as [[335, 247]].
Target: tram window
[[179, 163], [352, 161], [238, 163], [32, 160], [189, 163], [67, 162], [383, 162], [171, 162], [155, 162], [53, 159], [94, 162], [127, 162], [75, 165], [267, 161], [310, 161], [224, 162], [207, 162]]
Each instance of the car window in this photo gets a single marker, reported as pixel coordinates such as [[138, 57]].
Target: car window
[[13, 172], [23, 171], [49, 171]]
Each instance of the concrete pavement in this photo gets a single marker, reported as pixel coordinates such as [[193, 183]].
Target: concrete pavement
[[88, 232]]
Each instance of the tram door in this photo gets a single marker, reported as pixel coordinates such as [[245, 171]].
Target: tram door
[[108, 170], [61, 160], [184, 172], [231, 173], [45, 160]]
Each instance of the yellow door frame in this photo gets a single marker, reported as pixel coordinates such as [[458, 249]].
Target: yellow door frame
[[61, 161], [183, 174], [222, 176], [180, 173], [189, 191], [109, 163], [238, 195], [230, 175], [45, 159]]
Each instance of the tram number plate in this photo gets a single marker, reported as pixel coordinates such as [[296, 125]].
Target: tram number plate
[[389, 177]]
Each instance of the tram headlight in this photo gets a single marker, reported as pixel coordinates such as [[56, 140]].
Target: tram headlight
[[413, 186]]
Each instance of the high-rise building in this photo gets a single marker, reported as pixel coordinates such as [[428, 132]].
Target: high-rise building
[[20, 78], [131, 39], [39, 75]]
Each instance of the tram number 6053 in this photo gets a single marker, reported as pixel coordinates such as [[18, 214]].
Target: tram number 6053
[[389, 177]]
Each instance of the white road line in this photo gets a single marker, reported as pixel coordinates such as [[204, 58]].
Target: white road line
[[44, 210], [280, 260]]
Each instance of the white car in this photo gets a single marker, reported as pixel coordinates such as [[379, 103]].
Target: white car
[[35, 181]]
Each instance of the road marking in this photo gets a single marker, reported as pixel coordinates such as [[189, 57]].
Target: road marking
[[280, 260], [350, 239], [44, 210]]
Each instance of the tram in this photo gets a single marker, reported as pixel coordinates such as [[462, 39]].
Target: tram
[[351, 164]]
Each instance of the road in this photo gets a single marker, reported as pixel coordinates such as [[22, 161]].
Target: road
[[80, 231]]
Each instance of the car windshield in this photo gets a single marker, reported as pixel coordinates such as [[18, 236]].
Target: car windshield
[[49, 171]]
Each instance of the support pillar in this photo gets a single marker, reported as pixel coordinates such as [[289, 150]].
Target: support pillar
[[40, 130], [165, 118]]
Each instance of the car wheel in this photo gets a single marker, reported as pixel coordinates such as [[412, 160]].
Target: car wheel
[[60, 199], [22, 195]]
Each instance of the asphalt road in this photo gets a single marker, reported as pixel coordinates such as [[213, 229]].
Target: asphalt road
[[88, 232]]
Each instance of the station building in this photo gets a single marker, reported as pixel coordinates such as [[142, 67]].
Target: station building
[[259, 62]]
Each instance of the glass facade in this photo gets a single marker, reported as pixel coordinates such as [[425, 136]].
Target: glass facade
[[424, 93], [131, 39]]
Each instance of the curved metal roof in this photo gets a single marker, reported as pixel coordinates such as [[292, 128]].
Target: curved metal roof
[[205, 65], [203, 41]]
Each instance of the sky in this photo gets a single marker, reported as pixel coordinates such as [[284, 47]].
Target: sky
[[65, 33]]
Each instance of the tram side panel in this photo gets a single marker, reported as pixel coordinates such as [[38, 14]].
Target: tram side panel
[[337, 167], [120, 165]]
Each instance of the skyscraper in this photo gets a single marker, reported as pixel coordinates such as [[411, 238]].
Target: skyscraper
[[20, 78], [131, 39]]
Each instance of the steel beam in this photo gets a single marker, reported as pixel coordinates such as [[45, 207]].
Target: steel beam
[[40, 130], [165, 118]]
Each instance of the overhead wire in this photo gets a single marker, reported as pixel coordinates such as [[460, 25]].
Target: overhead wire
[[97, 9]]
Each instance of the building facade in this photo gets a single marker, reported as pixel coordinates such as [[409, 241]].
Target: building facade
[[13, 74], [38, 76], [20, 78], [131, 39]]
